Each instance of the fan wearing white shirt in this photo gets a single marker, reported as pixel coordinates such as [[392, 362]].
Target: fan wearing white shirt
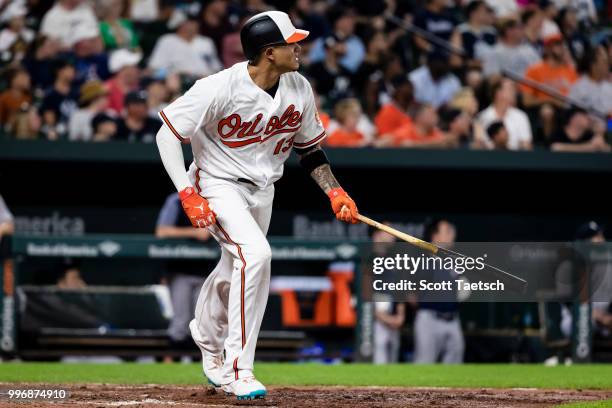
[[185, 51], [503, 109], [65, 17]]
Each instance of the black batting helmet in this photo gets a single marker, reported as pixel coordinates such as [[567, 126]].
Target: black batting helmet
[[266, 29]]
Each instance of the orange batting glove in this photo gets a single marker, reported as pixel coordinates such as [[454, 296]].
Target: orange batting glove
[[197, 209], [343, 206]]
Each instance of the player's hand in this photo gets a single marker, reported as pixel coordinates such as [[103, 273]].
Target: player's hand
[[201, 234], [343, 206], [197, 209]]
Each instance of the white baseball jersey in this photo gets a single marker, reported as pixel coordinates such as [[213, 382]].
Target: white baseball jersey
[[237, 130]]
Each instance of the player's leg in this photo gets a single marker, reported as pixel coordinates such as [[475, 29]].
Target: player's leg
[[209, 326], [454, 343], [180, 295], [196, 287], [211, 307], [426, 337], [394, 341], [381, 340], [239, 233], [260, 203]]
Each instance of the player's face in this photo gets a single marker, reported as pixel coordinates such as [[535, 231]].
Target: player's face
[[287, 57]]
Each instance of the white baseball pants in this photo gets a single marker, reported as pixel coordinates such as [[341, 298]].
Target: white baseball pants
[[233, 298]]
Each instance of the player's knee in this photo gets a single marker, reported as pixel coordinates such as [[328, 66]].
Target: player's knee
[[260, 253]]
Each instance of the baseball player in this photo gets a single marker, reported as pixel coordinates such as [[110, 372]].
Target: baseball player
[[243, 123]]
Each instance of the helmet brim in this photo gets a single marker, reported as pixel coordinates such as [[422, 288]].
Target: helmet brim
[[297, 36]]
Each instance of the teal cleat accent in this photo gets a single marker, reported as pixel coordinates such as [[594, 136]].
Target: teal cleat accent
[[253, 395], [212, 383]]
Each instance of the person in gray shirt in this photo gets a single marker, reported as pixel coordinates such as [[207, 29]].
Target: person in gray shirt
[[511, 52]]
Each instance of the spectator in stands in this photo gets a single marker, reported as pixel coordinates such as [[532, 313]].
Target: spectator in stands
[[116, 32], [59, 103], [65, 18], [174, 85], [378, 88], [231, 47], [144, 11], [455, 123], [576, 135], [15, 37], [92, 101], [90, 60], [344, 20], [126, 77], [424, 132], [137, 125], [437, 328], [377, 53], [549, 12], [185, 277], [104, 128], [555, 71], [330, 77], [503, 108], [394, 114], [586, 11], [347, 113], [477, 35], [215, 22], [71, 279], [41, 60], [7, 223], [185, 51], [498, 135], [433, 82], [594, 88], [157, 97], [532, 20], [577, 42], [15, 100], [465, 100], [306, 16], [510, 52], [504, 8], [435, 19], [324, 116]]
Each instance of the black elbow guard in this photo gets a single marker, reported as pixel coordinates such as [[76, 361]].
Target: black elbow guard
[[313, 160]]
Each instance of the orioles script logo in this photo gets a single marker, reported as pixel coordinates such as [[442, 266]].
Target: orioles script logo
[[253, 131]]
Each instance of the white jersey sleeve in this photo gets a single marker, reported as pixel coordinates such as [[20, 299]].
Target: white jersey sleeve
[[311, 131], [186, 114]]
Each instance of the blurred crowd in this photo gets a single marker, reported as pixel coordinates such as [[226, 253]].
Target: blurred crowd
[[84, 70]]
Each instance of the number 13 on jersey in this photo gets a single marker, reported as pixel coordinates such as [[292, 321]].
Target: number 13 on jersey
[[283, 145]]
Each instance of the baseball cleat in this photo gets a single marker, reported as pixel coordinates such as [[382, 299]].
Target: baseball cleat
[[245, 389], [211, 363]]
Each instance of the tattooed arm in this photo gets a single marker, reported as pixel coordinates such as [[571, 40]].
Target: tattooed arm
[[316, 164], [322, 173]]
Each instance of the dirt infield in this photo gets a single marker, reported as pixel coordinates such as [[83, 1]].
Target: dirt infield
[[103, 395]]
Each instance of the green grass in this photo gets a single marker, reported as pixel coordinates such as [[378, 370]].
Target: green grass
[[591, 404], [596, 376]]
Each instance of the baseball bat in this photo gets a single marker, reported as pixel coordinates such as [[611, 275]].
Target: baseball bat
[[513, 281]]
